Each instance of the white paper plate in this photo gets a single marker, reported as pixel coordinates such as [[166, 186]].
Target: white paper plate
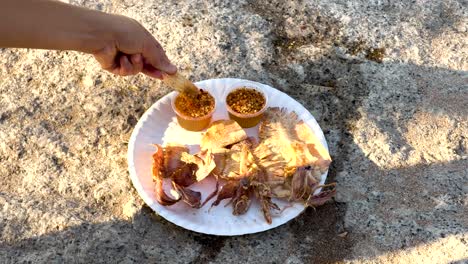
[[158, 125]]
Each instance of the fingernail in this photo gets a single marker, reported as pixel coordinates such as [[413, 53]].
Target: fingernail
[[171, 68], [168, 67]]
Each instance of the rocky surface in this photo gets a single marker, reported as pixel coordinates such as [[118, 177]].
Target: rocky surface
[[387, 81]]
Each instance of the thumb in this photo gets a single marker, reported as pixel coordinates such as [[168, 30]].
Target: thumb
[[157, 57]]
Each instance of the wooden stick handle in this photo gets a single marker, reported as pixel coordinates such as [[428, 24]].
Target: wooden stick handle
[[180, 83]]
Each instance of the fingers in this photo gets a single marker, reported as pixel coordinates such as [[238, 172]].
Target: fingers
[[152, 72], [131, 49], [137, 62], [128, 65], [152, 62], [126, 68]]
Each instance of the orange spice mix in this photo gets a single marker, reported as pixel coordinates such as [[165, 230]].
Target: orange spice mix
[[246, 101], [195, 105]]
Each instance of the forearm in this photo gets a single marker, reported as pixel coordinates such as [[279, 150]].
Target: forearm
[[47, 24], [120, 44]]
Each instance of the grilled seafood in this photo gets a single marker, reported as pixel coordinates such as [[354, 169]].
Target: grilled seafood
[[222, 133], [172, 154], [204, 160], [291, 155], [237, 162], [286, 162], [168, 162], [263, 193], [158, 165], [237, 165], [240, 193]]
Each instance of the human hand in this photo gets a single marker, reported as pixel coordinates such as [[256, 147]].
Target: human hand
[[120, 44], [131, 49]]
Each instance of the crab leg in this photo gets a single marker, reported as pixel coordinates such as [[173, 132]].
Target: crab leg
[[323, 196], [213, 194], [263, 193], [242, 201], [227, 191]]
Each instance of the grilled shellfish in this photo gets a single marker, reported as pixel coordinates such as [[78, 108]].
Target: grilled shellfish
[[287, 162], [292, 156]]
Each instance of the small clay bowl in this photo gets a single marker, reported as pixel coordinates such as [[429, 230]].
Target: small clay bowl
[[193, 123], [250, 119]]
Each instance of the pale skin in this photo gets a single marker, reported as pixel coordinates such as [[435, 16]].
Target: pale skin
[[120, 44]]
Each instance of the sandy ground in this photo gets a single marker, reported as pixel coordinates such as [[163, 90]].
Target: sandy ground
[[386, 80]]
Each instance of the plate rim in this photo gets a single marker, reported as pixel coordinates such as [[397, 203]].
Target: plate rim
[[150, 202]]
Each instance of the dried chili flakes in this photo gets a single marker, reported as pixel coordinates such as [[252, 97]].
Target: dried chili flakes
[[195, 105], [245, 101]]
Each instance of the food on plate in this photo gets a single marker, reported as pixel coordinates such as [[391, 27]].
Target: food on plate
[[194, 111], [204, 161], [245, 179], [245, 100], [195, 105], [237, 162], [168, 162], [158, 175], [237, 166], [172, 154], [246, 105], [286, 162], [291, 155], [222, 133]]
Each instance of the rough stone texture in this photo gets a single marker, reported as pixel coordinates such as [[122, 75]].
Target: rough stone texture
[[387, 81]]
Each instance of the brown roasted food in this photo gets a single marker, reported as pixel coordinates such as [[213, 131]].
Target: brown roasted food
[[291, 155], [222, 133], [168, 163], [286, 162], [158, 175]]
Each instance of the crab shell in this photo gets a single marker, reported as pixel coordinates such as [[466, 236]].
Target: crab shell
[[168, 162], [291, 154]]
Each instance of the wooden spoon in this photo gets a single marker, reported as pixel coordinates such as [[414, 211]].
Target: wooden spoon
[[180, 83]]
